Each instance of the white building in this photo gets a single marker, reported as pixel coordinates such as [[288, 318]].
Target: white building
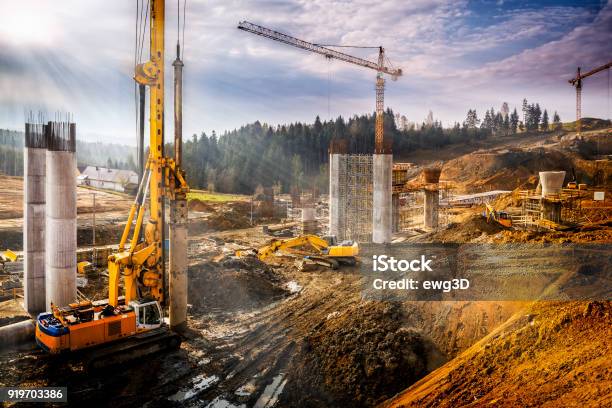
[[110, 179]]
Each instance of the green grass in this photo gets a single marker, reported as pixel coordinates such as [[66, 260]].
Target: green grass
[[215, 197]]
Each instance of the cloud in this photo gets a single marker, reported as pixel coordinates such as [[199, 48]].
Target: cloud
[[79, 58]]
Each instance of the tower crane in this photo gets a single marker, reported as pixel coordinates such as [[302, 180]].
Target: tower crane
[[379, 67], [577, 82]]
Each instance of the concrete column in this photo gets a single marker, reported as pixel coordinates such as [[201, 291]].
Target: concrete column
[[382, 217], [334, 195], [178, 265], [34, 219], [431, 203], [61, 222], [178, 257], [552, 182]]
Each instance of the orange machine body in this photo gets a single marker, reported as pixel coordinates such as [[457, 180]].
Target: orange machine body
[[83, 325]]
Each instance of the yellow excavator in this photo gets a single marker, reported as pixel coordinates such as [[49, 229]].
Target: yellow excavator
[[128, 326], [7, 256], [311, 248], [501, 217]]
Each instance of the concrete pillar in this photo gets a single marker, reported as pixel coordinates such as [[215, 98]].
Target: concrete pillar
[[34, 157], [61, 222], [178, 257], [382, 217], [178, 264], [431, 203], [552, 182], [334, 195]]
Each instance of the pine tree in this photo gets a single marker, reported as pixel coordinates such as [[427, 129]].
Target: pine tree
[[486, 123], [557, 122], [514, 119], [544, 124]]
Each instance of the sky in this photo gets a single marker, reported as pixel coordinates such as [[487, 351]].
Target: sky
[[78, 56]]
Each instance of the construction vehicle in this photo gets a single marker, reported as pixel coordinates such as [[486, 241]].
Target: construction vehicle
[[132, 325], [577, 82], [501, 217], [84, 267], [329, 53], [312, 250], [6, 256]]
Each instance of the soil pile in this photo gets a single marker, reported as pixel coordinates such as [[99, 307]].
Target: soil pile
[[358, 359], [592, 233], [555, 355], [503, 169], [472, 228], [222, 217], [201, 206], [233, 285]]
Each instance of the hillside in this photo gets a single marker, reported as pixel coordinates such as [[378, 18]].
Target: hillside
[[550, 355]]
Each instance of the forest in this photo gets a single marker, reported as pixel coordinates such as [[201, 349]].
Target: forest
[[295, 156]]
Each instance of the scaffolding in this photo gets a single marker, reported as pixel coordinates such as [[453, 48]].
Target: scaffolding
[[410, 211], [355, 195]]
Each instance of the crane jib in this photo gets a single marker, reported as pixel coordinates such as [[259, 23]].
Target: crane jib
[[305, 45]]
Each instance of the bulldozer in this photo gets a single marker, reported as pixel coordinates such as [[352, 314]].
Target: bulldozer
[[312, 250]]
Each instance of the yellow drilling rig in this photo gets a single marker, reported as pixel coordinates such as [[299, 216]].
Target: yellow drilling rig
[[129, 326]]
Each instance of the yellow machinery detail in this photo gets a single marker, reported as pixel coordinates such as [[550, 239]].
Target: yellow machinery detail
[[500, 217], [7, 256], [324, 253]]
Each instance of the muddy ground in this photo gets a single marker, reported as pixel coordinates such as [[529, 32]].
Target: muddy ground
[[266, 334]]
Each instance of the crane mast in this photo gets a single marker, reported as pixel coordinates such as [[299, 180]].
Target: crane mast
[[330, 53], [577, 82]]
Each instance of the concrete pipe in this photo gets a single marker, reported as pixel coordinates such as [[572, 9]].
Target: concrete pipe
[[17, 335]]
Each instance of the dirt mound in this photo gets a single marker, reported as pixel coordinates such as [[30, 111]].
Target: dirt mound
[[593, 233], [588, 124], [472, 228], [201, 206], [235, 284], [503, 169], [358, 359], [227, 221], [558, 355]]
